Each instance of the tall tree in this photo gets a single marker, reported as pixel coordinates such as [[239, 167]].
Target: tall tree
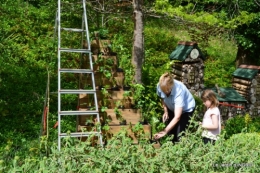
[[208, 18], [138, 44], [248, 35]]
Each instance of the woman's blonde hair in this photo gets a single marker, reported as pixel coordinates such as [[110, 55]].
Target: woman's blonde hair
[[166, 82], [211, 96]]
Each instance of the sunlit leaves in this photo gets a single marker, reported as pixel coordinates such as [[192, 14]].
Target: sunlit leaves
[[190, 13]]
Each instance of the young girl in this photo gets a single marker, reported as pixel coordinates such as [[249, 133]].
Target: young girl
[[211, 121]]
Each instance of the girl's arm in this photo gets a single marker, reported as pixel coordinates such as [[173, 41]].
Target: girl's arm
[[214, 124]]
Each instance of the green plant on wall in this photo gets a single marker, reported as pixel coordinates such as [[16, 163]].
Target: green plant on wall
[[118, 113], [106, 97], [128, 77], [127, 94], [106, 67], [138, 90], [127, 97], [103, 33], [138, 130]]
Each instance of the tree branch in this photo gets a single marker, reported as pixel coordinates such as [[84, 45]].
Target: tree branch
[[257, 3]]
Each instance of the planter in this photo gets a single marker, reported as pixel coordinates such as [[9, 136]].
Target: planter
[[144, 122], [115, 88], [128, 103], [126, 88], [119, 70], [109, 103], [123, 122]]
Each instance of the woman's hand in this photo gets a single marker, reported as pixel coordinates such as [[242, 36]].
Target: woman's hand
[[160, 135], [165, 117]]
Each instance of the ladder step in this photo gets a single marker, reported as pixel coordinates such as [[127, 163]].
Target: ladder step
[[80, 134], [75, 70], [75, 50], [77, 91], [86, 112], [73, 29]]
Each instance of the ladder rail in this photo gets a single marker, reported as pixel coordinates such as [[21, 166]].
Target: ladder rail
[[80, 134], [83, 50], [92, 112], [90, 58], [58, 18]]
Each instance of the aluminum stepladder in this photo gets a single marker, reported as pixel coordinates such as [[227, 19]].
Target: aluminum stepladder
[[84, 31]]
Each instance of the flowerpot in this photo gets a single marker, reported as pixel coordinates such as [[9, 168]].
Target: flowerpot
[[144, 122], [113, 53], [100, 87], [119, 70], [115, 88], [122, 122], [126, 88]]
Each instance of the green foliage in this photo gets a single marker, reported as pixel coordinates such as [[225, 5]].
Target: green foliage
[[205, 12], [254, 125], [211, 18], [28, 50], [200, 107], [121, 44], [138, 90], [239, 153], [103, 33], [240, 124], [219, 64], [234, 125], [118, 112], [25, 54], [158, 48]]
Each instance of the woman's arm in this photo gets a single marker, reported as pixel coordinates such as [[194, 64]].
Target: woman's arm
[[175, 120], [165, 115], [177, 116], [214, 124], [164, 107]]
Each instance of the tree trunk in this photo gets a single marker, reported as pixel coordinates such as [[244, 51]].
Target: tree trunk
[[243, 57], [138, 46]]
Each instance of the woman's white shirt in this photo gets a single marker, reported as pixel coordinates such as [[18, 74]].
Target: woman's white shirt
[[180, 97]]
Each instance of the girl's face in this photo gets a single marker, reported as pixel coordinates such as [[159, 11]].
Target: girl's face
[[207, 103]]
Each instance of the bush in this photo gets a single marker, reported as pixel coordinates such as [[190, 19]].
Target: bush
[[234, 125], [239, 153], [240, 124]]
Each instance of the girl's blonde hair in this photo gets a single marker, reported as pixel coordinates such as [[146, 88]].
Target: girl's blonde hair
[[166, 82], [211, 96]]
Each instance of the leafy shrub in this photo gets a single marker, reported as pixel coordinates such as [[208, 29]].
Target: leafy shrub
[[234, 125], [199, 108], [239, 153], [254, 125], [240, 124]]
